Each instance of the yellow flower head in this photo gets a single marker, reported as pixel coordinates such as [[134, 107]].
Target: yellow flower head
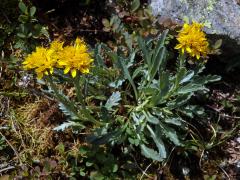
[[75, 58], [56, 47], [193, 40], [41, 61]]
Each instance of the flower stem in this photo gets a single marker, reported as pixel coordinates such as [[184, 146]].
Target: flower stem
[[78, 91]]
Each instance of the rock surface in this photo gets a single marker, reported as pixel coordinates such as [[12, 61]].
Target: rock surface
[[222, 17]]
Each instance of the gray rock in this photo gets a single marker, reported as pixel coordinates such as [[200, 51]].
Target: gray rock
[[221, 19], [221, 16]]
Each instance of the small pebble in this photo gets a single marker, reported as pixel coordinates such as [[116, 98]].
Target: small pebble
[[185, 171], [238, 140]]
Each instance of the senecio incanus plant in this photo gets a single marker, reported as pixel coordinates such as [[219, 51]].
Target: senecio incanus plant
[[193, 40], [74, 58], [136, 100]]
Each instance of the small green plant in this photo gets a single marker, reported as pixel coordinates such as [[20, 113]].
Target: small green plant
[[29, 29], [90, 161]]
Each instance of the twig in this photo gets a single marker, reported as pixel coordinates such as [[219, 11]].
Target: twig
[[144, 172], [7, 168], [160, 171], [227, 116], [226, 174], [200, 161], [169, 156]]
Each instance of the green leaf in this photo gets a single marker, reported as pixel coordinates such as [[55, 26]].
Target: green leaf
[[217, 44], [105, 22], [146, 55], [99, 60], [82, 173], [150, 153], [171, 134], [21, 35], [180, 75], [23, 18], [150, 118], [189, 88], [88, 164], [95, 175], [22, 7], [175, 121], [137, 71], [128, 76], [113, 100], [192, 110], [32, 11], [67, 112], [179, 101], [201, 80], [164, 88], [99, 139], [44, 31], [212, 78], [66, 125], [135, 5], [88, 117], [160, 44], [115, 59], [156, 63], [115, 168], [187, 78], [157, 138], [116, 84], [128, 40]]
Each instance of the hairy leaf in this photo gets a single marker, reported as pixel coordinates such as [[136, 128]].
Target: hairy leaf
[[113, 100]]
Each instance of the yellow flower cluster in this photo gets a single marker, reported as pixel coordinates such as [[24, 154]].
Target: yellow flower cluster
[[193, 40], [70, 58]]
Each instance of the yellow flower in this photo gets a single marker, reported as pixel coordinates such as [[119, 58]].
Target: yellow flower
[[75, 58], [56, 47], [41, 61], [193, 40]]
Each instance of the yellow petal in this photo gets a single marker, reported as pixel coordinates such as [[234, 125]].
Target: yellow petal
[[85, 70], [178, 46], [78, 41], [39, 75], [182, 50], [51, 70], [188, 49], [74, 73], [198, 56], [62, 63], [66, 70]]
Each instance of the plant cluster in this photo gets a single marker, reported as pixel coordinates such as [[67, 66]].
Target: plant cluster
[[148, 107]]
